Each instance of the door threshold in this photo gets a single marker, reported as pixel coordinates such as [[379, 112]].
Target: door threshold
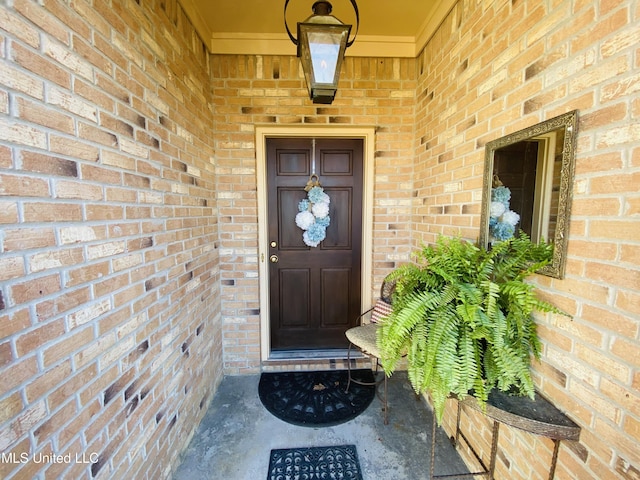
[[323, 354], [328, 359]]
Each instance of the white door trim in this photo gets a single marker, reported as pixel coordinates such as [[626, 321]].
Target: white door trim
[[269, 131]]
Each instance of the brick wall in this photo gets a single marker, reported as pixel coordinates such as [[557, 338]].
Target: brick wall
[[110, 338], [494, 68], [259, 90], [116, 302]]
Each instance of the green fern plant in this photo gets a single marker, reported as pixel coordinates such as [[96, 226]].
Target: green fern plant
[[463, 317]]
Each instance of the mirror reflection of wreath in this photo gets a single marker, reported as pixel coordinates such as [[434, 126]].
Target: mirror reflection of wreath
[[313, 213], [502, 220]]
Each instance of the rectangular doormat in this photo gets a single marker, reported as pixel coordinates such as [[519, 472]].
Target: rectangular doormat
[[315, 463]]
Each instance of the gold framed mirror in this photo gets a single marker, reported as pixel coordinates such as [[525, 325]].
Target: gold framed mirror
[[536, 165]]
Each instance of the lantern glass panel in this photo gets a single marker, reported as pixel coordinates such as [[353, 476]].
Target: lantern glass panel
[[322, 50]]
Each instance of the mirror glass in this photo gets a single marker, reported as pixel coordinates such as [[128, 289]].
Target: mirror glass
[[528, 179]]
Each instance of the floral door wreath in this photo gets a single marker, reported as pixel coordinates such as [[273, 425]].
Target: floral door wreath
[[313, 213]]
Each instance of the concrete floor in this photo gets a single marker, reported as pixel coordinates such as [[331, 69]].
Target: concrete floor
[[235, 438]]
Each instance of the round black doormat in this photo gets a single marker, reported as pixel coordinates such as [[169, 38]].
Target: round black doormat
[[316, 399]]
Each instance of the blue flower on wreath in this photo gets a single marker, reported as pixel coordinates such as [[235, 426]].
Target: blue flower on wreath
[[304, 205], [503, 231], [501, 194], [324, 221], [316, 233], [317, 195]]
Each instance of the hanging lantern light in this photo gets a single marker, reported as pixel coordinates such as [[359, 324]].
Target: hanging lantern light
[[322, 41]]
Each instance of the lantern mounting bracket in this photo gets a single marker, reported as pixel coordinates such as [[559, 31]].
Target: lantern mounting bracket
[[349, 43]]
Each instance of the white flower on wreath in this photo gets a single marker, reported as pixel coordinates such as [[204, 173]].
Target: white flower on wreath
[[497, 209], [510, 217], [320, 210], [305, 219]]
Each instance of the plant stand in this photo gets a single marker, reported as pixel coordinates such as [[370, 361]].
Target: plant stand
[[538, 416]]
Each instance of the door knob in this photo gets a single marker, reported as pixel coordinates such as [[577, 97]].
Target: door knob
[[273, 259]]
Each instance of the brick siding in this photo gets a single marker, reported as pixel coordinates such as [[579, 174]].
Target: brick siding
[[494, 68], [110, 332]]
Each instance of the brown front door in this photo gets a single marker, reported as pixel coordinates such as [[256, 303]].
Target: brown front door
[[314, 292]]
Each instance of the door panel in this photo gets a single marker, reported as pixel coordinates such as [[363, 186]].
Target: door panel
[[340, 236], [337, 163], [288, 199], [298, 312], [335, 297], [314, 292]]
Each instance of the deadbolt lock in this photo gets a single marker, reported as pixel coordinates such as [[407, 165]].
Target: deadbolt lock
[[273, 244]]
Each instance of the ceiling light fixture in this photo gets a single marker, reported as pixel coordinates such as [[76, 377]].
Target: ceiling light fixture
[[322, 41]]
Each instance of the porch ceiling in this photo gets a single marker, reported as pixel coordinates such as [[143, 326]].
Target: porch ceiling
[[390, 29]]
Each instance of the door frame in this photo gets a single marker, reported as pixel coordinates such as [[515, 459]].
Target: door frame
[[367, 134]]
